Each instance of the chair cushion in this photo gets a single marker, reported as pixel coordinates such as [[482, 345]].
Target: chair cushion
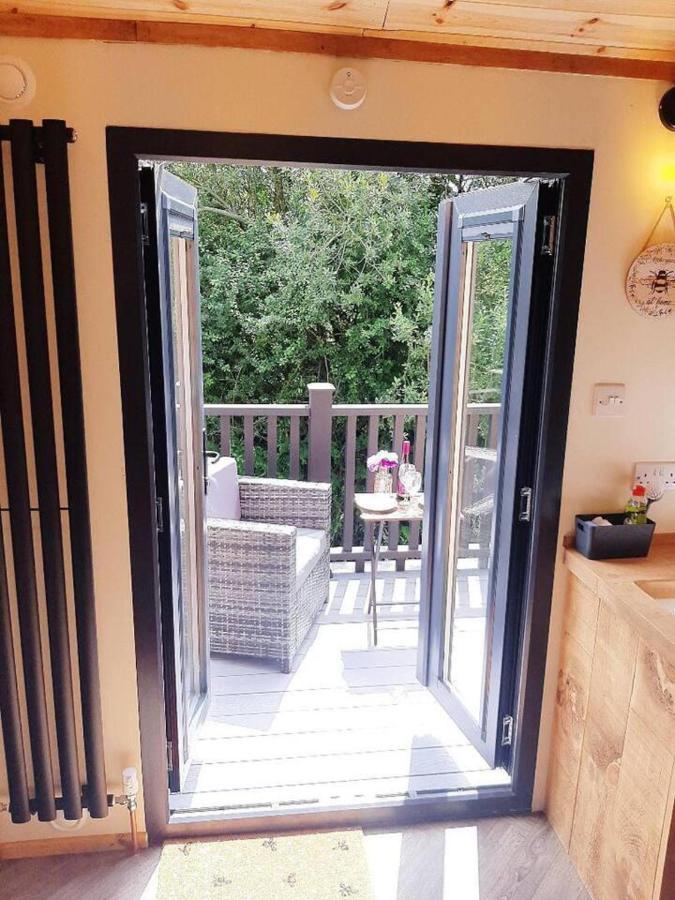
[[222, 496], [310, 544]]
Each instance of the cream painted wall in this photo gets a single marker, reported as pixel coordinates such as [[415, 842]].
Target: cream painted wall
[[93, 85]]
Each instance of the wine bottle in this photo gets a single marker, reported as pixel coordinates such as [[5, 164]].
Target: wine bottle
[[404, 464]]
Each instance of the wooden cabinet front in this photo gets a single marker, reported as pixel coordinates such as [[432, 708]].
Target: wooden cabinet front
[[611, 781]]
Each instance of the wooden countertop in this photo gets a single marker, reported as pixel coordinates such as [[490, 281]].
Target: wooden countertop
[[614, 581]]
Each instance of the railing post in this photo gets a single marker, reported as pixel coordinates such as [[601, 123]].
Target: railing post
[[320, 431]]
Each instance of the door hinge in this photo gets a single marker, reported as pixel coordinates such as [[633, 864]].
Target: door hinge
[[145, 223], [169, 756], [549, 235], [159, 505], [525, 511], [507, 731]]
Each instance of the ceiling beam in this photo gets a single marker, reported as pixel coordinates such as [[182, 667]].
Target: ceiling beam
[[353, 46]]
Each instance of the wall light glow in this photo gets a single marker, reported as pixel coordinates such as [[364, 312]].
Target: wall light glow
[[668, 173]]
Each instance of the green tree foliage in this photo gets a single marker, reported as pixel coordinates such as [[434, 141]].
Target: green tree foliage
[[322, 275], [488, 326], [316, 275]]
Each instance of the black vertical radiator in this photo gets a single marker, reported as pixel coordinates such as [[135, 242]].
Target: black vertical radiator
[[51, 713]]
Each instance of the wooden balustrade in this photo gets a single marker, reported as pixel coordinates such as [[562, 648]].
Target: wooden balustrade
[[362, 429], [250, 417]]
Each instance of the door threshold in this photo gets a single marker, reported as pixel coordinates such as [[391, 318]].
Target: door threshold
[[497, 789], [455, 805], [309, 797]]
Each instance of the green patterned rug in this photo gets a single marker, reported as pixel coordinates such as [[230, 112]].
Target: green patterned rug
[[323, 866]]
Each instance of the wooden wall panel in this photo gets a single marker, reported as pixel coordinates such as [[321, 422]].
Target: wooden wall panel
[[572, 700], [581, 613], [611, 784], [654, 695], [614, 662], [639, 815], [574, 676], [561, 795], [665, 875]]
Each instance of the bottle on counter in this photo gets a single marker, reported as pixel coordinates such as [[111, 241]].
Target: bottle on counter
[[636, 508], [404, 466]]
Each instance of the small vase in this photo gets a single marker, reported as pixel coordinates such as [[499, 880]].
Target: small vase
[[384, 483]]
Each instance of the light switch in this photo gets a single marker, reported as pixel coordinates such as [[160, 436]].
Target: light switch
[[609, 399]]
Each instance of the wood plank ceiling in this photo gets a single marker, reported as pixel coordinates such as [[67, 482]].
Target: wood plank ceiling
[[623, 37]]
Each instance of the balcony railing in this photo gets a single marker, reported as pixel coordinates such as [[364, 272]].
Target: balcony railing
[[325, 441]]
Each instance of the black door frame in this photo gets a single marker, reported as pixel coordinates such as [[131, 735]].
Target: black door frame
[[126, 147]]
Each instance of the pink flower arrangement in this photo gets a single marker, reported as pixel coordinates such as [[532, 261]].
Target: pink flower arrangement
[[383, 459]]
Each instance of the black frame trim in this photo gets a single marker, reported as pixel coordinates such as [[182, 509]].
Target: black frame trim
[[126, 147]]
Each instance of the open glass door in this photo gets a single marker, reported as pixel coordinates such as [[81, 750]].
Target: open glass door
[[480, 498], [172, 295]]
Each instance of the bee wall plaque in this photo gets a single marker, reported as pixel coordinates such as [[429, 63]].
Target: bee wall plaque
[[650, 283]]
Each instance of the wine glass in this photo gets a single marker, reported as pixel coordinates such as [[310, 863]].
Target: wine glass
[[403, 470], [411, 480], [415, 488]]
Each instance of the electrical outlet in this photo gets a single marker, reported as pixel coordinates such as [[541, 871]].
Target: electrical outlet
[[656, 473]]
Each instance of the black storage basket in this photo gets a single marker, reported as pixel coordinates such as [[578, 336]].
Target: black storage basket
[[616, 542]]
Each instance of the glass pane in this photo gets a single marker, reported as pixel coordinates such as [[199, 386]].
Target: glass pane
[[476, 451], [185, 453]]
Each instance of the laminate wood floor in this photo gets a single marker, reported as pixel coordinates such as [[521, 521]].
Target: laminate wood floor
[[351, 723], [511, 858]]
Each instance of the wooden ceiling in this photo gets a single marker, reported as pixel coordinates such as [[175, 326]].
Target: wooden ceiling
[[634, 38]]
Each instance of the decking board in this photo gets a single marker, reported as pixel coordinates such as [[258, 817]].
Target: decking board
[[350, 723]]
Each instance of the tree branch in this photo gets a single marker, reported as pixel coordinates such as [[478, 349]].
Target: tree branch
[[226, 213]]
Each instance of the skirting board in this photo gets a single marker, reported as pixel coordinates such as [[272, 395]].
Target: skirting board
[[95, 843]]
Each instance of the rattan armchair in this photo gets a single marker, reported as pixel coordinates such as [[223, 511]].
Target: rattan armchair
[[269, 572]]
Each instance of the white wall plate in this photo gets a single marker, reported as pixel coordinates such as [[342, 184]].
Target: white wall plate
[[17, 82], [348, 88], [609, 399], [655, 473]]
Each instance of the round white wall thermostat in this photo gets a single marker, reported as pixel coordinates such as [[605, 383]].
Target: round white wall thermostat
[[17, 82], [348, 88]]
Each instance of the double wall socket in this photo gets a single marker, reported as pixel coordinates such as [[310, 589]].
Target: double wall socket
[[662, 473]]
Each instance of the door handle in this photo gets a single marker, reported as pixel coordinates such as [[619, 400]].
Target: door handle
[[525, 511], [205, 462]]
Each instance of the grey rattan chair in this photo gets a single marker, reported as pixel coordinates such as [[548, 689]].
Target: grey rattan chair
[[268, 573]]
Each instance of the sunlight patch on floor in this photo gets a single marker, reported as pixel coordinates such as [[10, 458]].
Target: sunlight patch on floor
[[437, 862], [460, 863]]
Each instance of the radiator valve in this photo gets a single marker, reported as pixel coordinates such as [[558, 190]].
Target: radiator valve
[[128, 798], [130, 786]]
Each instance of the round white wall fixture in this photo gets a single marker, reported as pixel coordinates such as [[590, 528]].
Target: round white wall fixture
[[348, 88], [17, 82]]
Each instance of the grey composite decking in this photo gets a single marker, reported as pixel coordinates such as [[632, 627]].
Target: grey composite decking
[[350, 724]]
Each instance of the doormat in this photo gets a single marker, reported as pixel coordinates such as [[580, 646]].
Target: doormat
[[323, 866]]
